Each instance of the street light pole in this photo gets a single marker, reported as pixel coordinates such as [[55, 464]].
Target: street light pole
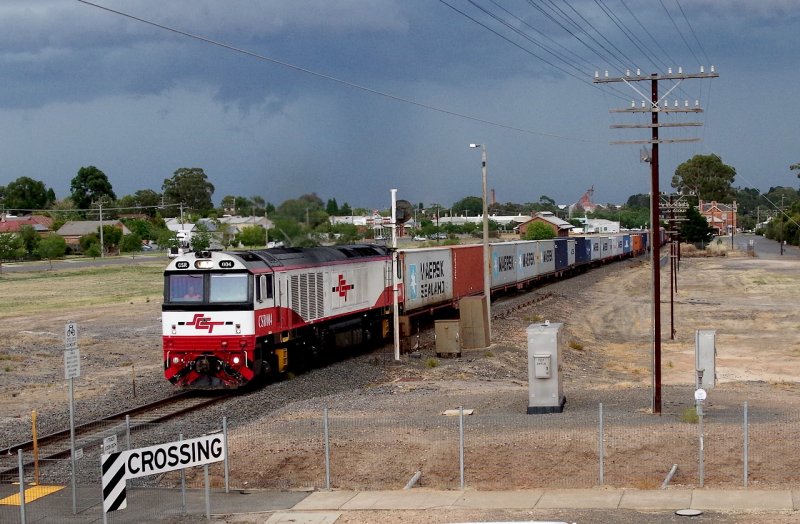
[[487, 264]]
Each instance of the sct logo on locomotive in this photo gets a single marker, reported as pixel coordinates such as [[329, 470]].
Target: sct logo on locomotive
[[203, 322]]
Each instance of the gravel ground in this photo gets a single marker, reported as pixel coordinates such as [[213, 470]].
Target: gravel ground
[[127, 343]]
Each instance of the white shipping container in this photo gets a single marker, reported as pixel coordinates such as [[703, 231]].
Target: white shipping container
[[527, 255], [547, 257], [427, 276], [504, 263]]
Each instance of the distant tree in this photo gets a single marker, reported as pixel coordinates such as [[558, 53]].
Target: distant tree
[[112, 236], [639, 200], [86, 241], [131, 243], [201, 239], [345, 210], [259, 205], [547, 204], [332, 208], [27, 194], [52, 246], [30, 239], [93, 250], [695, 227], [471, 205], [795, 167], [252, 236], [90, 184], [144, 201], [707, 177], [167, 238], [345, 233], [189, 186], [10, 247], [538, 231], [307, 208], [145, 229]]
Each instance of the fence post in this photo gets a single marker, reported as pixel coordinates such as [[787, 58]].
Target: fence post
[[183, 485], [21, 465], [601, 444], [208, 492], [225, 451], [746, 437], [128, 430], [327, 449], [461, 444], [702, 466]]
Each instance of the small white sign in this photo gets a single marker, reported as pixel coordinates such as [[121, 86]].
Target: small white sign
[[700, 395], [78, 453], [72, 363], [71, 335], [110, 444]]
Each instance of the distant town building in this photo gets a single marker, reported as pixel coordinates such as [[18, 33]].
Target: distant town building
[[12, 224], [561, 228], [720, 217]]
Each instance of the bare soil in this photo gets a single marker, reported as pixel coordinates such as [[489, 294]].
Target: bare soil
[[750, 302]]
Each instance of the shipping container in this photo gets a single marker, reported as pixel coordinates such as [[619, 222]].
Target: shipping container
[[527, 257], [504, 266], [637, 244], [597, 245], [583, 251], [616, 246], [467, 270], [626, 244], [562, 253], [427, 277], [547, 257]]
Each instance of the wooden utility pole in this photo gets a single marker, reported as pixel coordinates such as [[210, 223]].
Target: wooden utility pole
[[655, 105]]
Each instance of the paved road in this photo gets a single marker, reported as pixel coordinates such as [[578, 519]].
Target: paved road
[[764, 247]]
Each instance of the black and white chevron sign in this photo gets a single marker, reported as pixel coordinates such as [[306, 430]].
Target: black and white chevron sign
[[114, 475]]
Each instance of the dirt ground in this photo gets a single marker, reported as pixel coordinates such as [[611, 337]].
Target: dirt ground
[[750, 302]]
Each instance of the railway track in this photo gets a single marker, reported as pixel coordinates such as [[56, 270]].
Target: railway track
[[91, 434]]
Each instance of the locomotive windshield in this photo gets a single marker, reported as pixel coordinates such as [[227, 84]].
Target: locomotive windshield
[[186, 288], [228, 287]]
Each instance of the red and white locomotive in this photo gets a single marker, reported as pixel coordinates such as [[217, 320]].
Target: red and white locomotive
[[232, 317]]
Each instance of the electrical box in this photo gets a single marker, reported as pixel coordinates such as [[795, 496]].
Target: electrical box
[[545, 391], [474, 322], [448, 342], [541, 366], [705, 357]]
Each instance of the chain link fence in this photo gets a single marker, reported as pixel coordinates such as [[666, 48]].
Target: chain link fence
[[733, 448]]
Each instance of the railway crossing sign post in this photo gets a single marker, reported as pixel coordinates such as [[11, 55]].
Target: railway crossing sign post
[[72, 370], [118, 467]]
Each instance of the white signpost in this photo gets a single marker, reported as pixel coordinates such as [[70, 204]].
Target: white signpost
[[72, 370]]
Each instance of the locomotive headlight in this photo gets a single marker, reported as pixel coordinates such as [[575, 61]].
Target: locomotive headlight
[[236, 359], [204, 264], [176, 360], [238, 329]]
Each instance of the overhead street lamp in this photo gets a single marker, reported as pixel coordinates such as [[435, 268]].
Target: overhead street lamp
[[487, 264]]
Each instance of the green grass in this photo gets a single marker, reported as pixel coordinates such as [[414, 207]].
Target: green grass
[[431, 363], [689, 415]]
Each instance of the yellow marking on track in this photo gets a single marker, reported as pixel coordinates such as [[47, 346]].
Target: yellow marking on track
[[31, 494]]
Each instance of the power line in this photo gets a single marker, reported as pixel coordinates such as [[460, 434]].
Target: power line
[[692, 30], [329, 77], [680, 33]]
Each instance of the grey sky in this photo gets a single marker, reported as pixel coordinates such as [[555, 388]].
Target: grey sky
[[82, 86]]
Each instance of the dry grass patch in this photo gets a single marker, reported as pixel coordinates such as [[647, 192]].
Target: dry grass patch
[[26, 293]]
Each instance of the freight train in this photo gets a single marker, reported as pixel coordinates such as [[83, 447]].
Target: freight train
[[233, 318]]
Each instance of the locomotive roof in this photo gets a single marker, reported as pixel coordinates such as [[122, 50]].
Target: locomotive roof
[[300, 256]]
